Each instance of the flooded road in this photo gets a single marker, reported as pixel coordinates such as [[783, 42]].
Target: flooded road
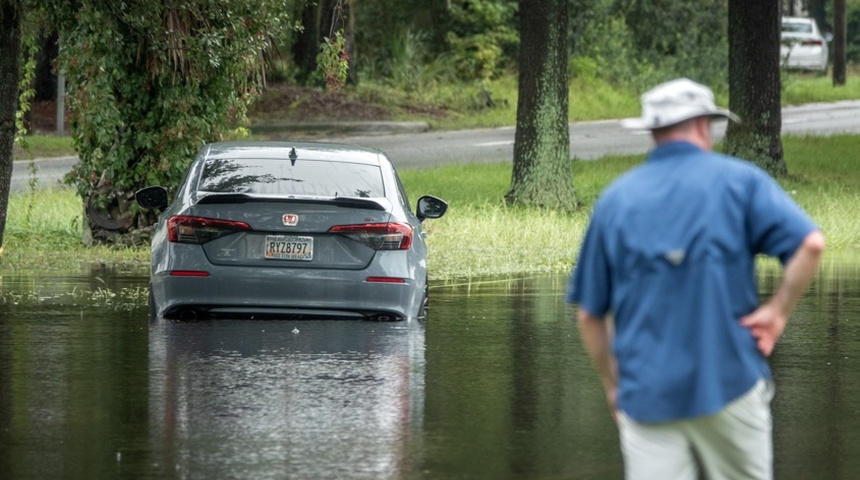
[[494, 385]]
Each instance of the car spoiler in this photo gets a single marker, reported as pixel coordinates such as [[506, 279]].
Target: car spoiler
[[348, 202]]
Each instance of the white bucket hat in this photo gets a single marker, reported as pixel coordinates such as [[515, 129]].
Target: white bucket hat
[[675, 101]]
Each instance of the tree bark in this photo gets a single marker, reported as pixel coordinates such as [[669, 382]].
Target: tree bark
[[840, 43], [10, 70], [349, 35], [754, 84], [542, 174], [307, 42]]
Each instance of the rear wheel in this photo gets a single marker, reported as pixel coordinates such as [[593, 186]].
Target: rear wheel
[[425, 302], [153, 309]]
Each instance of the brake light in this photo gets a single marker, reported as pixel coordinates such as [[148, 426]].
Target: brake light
[[812, 43], [385, 280], [188, 273], [199, 230], [378, 236]]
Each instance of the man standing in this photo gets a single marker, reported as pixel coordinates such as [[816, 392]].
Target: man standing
[[667, 295]]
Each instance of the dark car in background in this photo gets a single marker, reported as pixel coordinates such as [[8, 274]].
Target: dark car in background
[[289, 230]]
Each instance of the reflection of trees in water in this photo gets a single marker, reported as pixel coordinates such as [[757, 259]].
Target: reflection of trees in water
[[815, 370]]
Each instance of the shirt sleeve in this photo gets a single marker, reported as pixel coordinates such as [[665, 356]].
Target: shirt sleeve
[[590, 284], [777, 225]]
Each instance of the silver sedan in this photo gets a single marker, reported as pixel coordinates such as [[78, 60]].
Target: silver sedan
[[289, 230]]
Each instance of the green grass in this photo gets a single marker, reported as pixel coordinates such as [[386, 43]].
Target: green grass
[[41, 146], [825, 180], [479, 236], [799, 88], [43, 231]]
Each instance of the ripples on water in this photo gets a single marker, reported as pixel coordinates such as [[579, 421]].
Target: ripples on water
[[494, 385]]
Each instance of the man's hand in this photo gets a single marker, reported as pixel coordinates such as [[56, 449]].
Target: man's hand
[[766, 325]]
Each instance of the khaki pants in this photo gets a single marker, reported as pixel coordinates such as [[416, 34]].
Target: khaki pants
[[734, 444]]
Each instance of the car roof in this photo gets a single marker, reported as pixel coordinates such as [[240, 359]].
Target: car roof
[[797, 19], [318, 151]]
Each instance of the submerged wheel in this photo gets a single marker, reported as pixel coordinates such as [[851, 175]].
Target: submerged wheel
[[425, 302], [153, 309]]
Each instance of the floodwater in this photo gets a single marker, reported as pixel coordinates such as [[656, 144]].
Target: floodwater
[[495, 385]]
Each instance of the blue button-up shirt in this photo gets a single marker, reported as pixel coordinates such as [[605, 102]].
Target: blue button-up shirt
[[670, 254]]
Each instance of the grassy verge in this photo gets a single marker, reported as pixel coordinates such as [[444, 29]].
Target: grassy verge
[[479, 236], [43, 232], [447, 106]]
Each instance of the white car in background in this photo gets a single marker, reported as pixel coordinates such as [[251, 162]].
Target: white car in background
[[802, 45]]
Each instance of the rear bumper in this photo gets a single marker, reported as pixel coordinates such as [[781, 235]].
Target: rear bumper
[[238, 292], [804, 59]]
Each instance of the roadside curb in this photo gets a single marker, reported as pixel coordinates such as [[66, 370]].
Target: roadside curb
[[334, 129]]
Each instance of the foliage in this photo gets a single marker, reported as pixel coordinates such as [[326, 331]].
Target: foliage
[[333, 61], [150, 82], [694, 40], [482, 37], [26, 88], [853, 30]]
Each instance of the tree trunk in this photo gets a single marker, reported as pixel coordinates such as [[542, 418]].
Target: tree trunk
[[10, 70], [307, 42], [542, 173], [351, 48], [840, 40], [754, 84]]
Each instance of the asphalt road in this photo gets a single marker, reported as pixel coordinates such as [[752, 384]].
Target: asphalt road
[[588, 141]]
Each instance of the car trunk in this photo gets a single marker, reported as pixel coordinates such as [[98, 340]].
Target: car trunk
[[291, 233]]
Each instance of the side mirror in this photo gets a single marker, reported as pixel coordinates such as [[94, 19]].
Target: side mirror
[[828, 37], [431, 207], [152, 197]]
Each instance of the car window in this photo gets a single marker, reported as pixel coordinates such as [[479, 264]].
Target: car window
[[797, 27], [279, 177], [404, 199]]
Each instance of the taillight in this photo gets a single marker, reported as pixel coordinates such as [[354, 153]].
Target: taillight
[[379, 236], [812, 43], [199, 230]]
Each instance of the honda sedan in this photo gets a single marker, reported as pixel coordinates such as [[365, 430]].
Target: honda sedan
[[289, 230]]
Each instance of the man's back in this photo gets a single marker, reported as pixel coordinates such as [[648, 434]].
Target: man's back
[[678, 236], [670, 255]]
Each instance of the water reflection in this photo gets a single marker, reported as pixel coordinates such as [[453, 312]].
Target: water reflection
[[509, 391], [286, 399], [495, 385]]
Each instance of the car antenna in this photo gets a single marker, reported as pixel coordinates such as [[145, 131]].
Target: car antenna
[[293, 157]]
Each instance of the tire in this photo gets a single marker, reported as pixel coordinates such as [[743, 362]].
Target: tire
[[425, 303], [153, 308]]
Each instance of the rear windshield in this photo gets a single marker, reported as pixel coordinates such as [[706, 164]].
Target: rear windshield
[[797, 27], [279, 177]]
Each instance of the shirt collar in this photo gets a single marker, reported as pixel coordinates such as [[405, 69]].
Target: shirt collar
[[674, 149]]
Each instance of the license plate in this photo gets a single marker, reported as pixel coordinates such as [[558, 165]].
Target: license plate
[[289, 247]]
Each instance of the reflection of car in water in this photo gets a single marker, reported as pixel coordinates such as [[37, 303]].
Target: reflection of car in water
[[286, 399], [289, 230], [802, 46]]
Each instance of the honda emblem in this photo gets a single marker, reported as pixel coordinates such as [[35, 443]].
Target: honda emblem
[[290, 219]]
